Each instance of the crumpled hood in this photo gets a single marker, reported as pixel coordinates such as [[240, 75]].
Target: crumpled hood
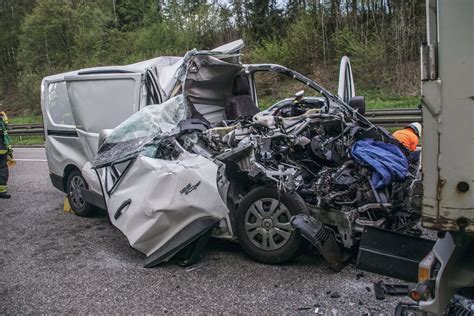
[[165, 197]]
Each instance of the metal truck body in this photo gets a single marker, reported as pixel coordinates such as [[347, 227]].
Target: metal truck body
[[447, 73]]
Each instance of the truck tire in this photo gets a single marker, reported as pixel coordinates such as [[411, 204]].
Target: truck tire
[[263, 224], [79, 206]]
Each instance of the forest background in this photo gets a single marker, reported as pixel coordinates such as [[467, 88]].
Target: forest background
[[381, 37]]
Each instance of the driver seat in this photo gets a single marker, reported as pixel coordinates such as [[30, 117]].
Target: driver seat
[[240, 104]]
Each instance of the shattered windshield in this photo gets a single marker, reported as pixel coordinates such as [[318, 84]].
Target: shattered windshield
[[141, 131]]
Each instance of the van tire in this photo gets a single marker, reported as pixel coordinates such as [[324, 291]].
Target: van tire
[[274, 224], [79, 206]]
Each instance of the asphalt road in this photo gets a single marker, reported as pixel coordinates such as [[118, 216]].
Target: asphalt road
[[52, 261]]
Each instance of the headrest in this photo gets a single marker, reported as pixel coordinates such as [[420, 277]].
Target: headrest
[[241, 86]]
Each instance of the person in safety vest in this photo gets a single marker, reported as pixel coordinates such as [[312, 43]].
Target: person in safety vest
[[409, 136], [6, 153]]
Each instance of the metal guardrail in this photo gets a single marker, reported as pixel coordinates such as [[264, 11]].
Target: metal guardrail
[[393, 117], [384, 117], [25, 129]]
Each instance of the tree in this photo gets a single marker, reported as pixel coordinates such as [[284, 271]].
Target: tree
[[11, 15], [42, 37]]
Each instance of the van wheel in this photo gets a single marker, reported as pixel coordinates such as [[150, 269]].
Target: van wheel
[[263, 224], [75, 182]]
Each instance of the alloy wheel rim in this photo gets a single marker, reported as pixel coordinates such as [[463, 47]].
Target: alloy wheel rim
[[75, 192]]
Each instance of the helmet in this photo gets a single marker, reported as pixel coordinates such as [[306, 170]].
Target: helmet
[[4, 117], [416, 127]]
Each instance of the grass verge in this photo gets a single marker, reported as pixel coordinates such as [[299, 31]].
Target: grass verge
[[26, 140], [26, 119], [387, 100]]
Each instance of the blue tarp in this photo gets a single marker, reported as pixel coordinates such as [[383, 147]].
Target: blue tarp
[[386, 160]]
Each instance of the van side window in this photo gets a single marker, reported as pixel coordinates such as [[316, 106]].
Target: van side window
[[58, 104]]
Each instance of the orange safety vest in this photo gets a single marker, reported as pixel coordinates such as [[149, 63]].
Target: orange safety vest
[[407, 137]]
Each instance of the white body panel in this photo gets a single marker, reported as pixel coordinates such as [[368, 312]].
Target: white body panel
[[63, 146], [166, 196], [448, 119], [345, 88], [97, 109]]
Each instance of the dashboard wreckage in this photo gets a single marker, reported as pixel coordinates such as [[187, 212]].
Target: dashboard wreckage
[[177, 150]]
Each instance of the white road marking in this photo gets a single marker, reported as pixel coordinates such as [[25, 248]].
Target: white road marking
[[20, 159]]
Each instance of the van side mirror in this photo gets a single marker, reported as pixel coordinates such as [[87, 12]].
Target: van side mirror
[[358, 103]]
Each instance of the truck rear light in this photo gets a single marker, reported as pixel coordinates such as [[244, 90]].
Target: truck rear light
[[422, 292]]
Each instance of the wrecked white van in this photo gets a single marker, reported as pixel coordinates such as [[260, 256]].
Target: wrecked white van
[[204, 160], [78, 105]]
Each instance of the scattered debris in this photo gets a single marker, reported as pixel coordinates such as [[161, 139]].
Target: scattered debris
[[303, 308], [460, 305], [196, 266], [380, 289], [216, 258], [408, 309]]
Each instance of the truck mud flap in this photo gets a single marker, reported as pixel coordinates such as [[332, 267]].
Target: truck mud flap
[[392, 254], [186, 246]]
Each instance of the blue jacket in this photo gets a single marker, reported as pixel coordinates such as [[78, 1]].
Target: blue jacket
[[386, 160]]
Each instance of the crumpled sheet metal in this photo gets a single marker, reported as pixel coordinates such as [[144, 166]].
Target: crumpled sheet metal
[[130, 137], [90, 175], [166, 196]]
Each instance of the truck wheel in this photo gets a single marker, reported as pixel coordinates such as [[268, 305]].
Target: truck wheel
[[263, 224], [80, 207]]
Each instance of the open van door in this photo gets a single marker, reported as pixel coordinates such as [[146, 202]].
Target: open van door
[[102, 101], [346, 89]]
